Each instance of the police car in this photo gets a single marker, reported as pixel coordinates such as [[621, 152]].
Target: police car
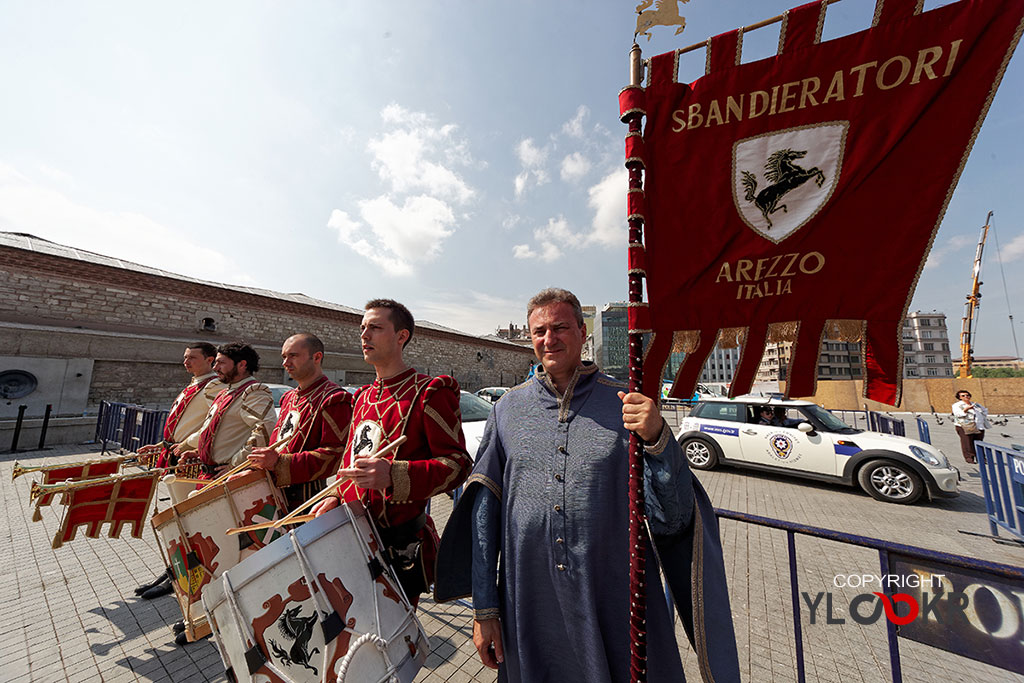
[[804, 439]]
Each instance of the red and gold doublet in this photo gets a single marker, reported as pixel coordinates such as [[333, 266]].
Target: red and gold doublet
[[195, 389], [317, 420], [432, 461]]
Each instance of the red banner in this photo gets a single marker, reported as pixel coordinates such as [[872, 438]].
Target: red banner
[[125, 500], [797, 196], [88, 470]]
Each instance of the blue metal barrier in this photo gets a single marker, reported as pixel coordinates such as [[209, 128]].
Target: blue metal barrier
[[924, 432], [128, 427], [898, 559], [885, 424], [1002, 479]]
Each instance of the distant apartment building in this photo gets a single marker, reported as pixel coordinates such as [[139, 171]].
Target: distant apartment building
[[611, 340], [925, 353], [998, 362], [719, 367]]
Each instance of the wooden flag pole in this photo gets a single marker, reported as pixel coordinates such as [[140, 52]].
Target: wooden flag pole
[[637, 578]]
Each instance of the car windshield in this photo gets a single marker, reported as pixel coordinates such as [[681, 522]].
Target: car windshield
[[278, 393], [829, 421], [474, 408]]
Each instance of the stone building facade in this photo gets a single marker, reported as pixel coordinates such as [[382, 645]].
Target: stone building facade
[[88, 328]]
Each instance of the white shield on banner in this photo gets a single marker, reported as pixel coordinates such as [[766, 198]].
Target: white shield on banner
[[781, 180]]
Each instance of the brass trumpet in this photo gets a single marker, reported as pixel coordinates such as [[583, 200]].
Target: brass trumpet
[[38, 489], [19, 469], [134, 459], [187, 471]]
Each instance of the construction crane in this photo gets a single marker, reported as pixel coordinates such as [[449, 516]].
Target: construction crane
[[971, 307]]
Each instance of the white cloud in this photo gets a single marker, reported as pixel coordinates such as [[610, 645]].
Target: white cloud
[[472, 312], [941, 250], [396, 236], [38, 209], [574, 167], [409, 223], [530, 155], [574, 126], [523, 251], [402, 157], [1014, 250], [608, 201], [532, 159]]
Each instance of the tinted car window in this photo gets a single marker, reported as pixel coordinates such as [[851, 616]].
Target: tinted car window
[[474, 408], [733, 412]]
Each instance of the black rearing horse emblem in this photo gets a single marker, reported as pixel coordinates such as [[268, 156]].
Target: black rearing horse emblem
[[784, 176], [364, 440], [299, 629]]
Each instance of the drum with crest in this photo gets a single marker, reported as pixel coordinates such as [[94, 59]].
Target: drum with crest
[[193, 539], [319, 605]]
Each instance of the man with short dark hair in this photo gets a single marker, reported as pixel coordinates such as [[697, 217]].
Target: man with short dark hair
[[185, 418], [190, 407], [241, 417], [433, 460], [314, 418], [548, 498]]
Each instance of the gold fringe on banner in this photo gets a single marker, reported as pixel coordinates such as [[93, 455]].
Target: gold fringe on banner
[[844, 330], [732, 337], [783, 332], [685, 341]]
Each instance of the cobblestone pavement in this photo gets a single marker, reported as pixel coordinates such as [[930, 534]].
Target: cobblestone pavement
[[71, 614]]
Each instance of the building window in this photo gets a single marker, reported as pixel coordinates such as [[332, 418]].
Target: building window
[[929, 346], [925, 322], [911, 372], [933, 372], [949, 373], [945, 347], [908, 347], [927, 334], [929, 359]]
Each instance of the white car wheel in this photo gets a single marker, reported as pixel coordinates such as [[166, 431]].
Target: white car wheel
[[890, 481], [699, 454]]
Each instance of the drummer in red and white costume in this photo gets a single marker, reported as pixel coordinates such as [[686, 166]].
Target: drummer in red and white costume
[[186, 417], [241, 417], [432, 461], [316, 416], [190, 407]]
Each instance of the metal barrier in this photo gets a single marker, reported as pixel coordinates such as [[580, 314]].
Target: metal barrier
[[127, 426], [1002, 480], [898, 560], [924, 432], [885, 424]]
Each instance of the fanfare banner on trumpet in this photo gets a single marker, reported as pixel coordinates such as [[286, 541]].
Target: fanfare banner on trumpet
[[118, 499], [56, 475]]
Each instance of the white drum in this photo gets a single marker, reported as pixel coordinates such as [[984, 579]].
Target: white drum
[[319, 605], [194, 543]]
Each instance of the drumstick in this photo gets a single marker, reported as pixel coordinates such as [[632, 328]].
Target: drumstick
[[331, 487], [317, 498], [268, 525], [245, 464]]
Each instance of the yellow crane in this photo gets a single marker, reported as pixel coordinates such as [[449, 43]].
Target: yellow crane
[[971, 307]]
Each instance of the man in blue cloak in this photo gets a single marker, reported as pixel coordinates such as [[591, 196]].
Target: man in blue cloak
[[540, 538]]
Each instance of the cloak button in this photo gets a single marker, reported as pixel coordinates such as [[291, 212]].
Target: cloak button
[[561, 567], [558, 477], [559, 540], [558, 508], [561, 449]]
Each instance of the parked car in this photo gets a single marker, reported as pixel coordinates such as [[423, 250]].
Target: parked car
[[806, 440], [278, 391], [475, 412], [492, 394]]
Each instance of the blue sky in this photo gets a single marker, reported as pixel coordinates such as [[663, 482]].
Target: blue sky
[[455, 156]]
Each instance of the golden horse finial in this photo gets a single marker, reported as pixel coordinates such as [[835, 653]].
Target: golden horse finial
[[665, 13]]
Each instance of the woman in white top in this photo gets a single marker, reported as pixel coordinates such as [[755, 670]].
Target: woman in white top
[[971, 422]]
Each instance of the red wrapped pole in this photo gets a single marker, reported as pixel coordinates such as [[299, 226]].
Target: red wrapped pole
[[632, 115]]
